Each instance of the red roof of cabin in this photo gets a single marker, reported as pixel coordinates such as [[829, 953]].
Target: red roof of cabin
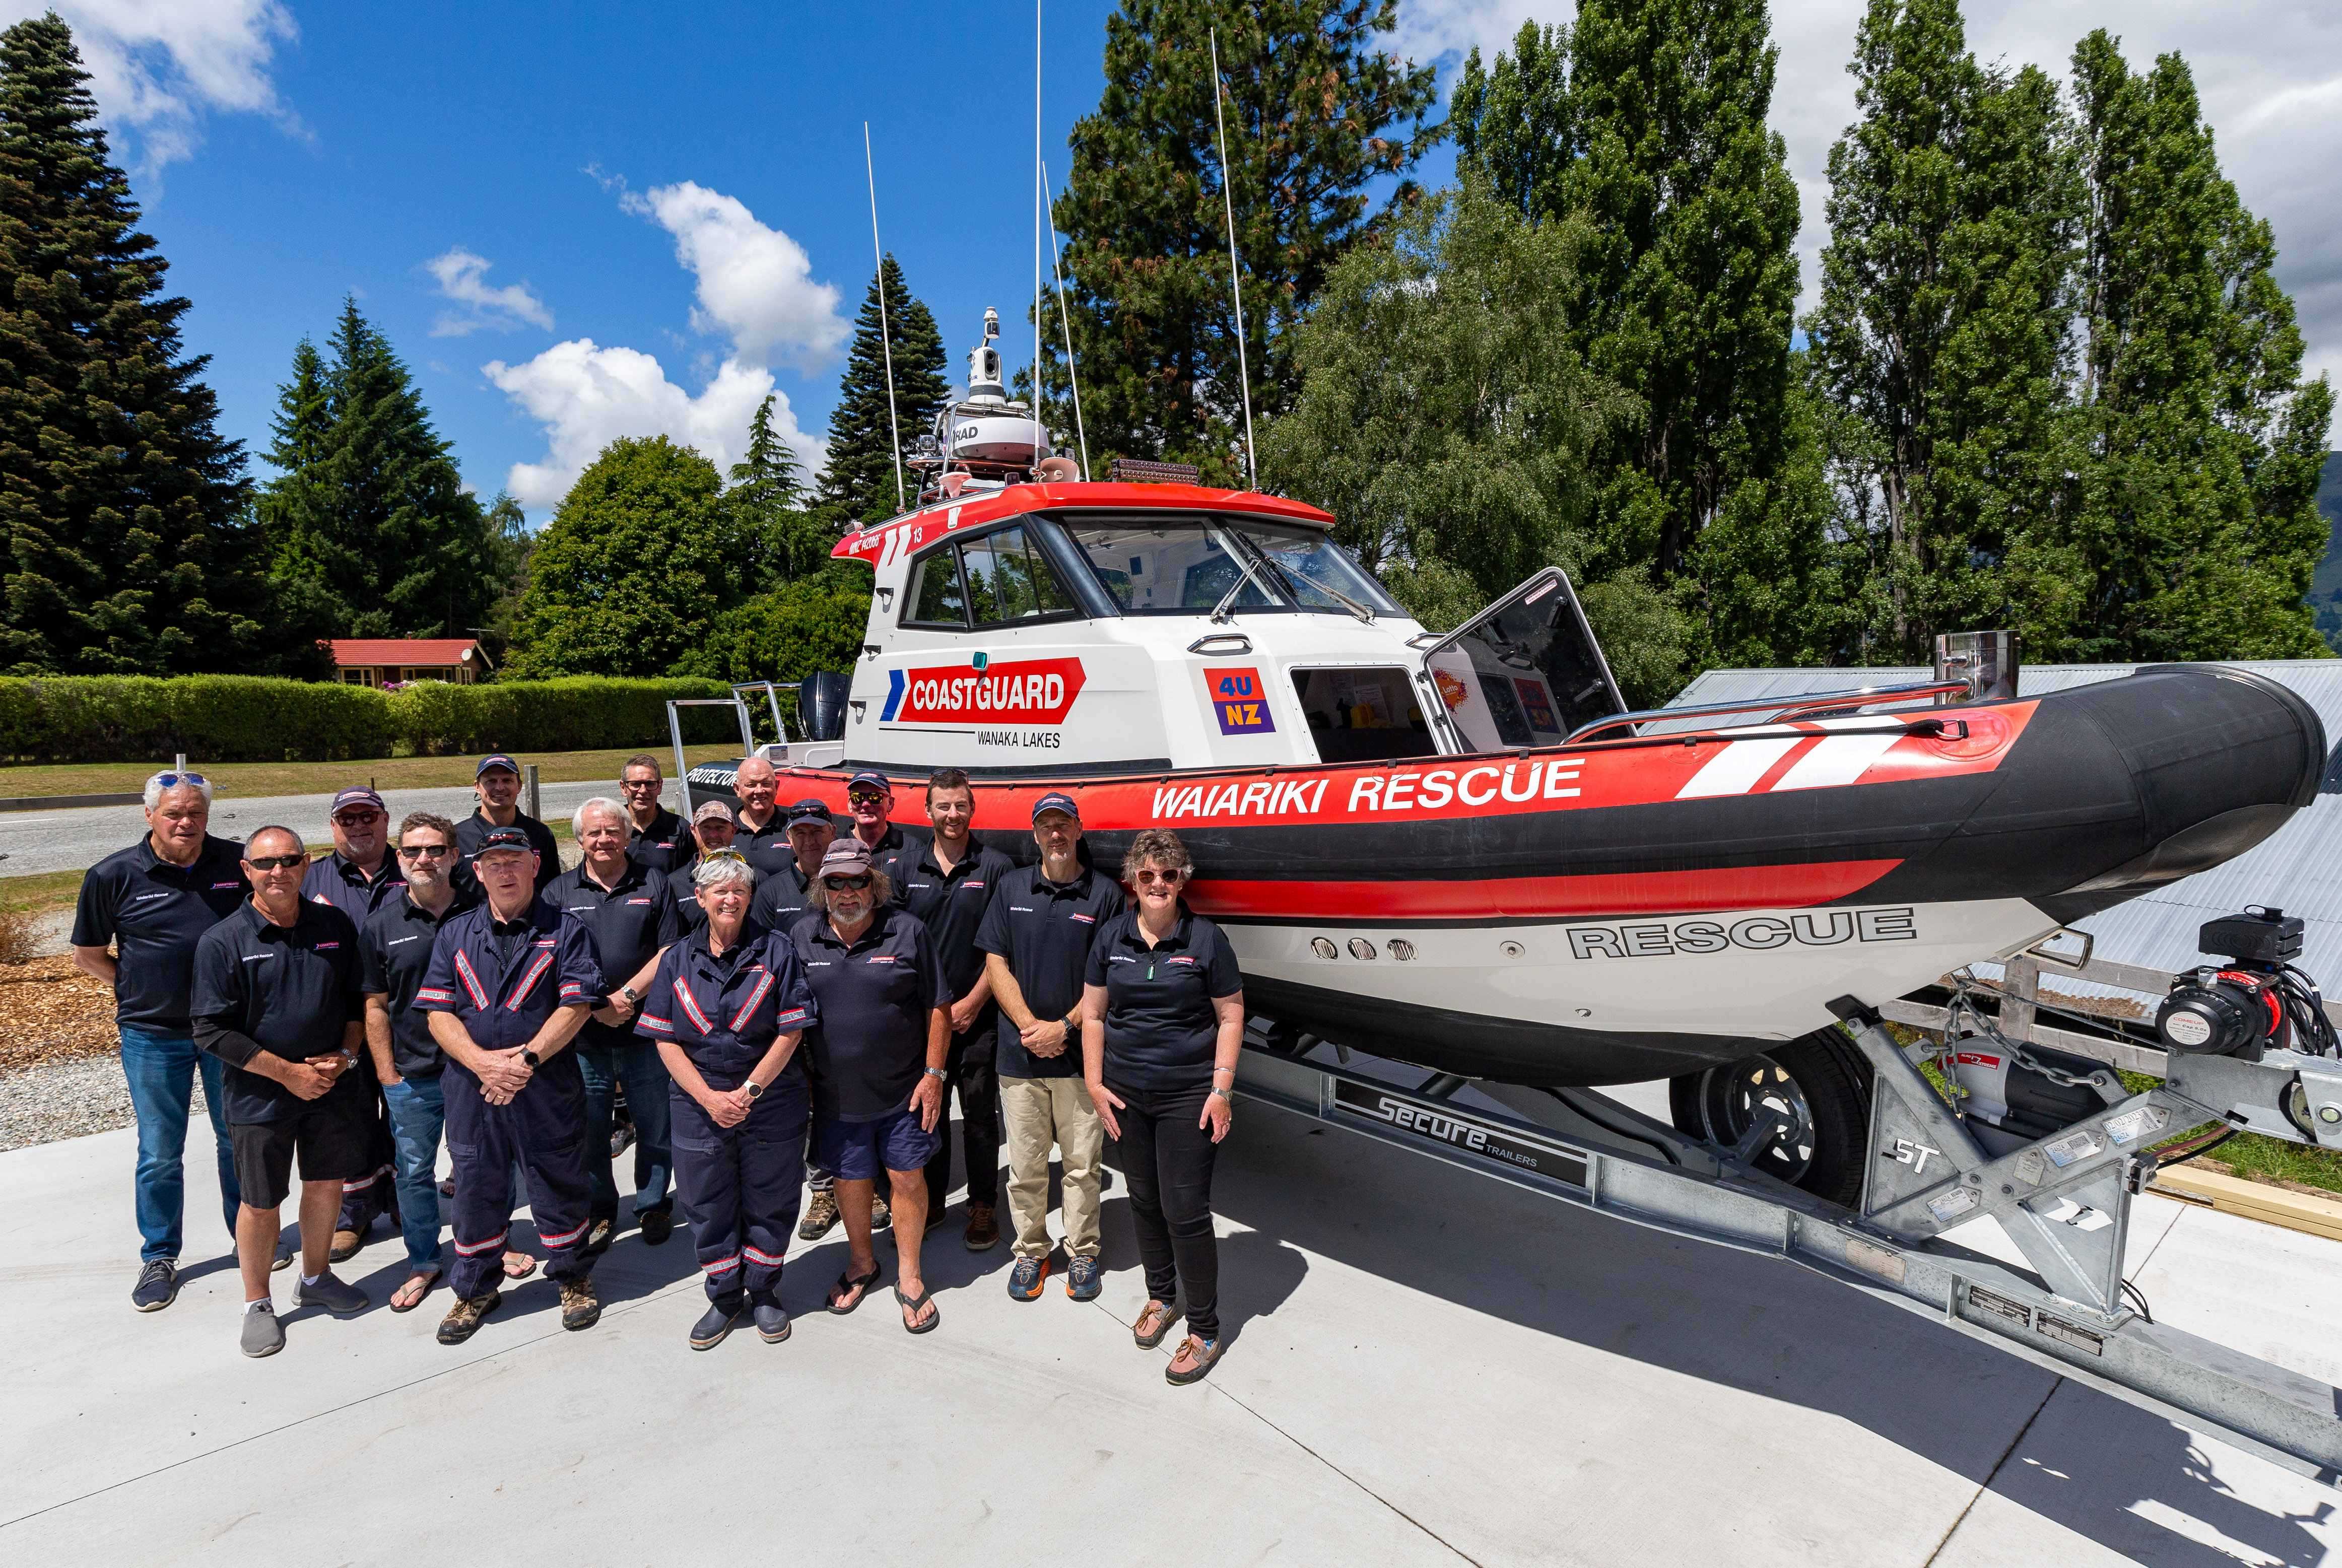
[[992, 506], [352, 652]]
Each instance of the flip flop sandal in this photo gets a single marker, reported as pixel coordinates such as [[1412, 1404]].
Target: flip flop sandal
[[1203, 1362], [849, 1283], [429, 1280], [1149, 1338], [518, 1265], [915, 1304]]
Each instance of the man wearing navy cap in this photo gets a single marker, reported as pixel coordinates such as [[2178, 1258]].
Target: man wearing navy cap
[[1037, 936], [496, 781], [510, 984], [870, 800], [359, 877]]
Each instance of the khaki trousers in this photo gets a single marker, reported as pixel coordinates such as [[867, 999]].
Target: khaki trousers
[[1035, 1113]]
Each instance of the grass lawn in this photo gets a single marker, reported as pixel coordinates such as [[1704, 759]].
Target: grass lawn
[[312, 778]]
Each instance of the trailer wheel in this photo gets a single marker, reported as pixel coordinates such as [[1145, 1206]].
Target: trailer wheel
[[1816, 1088]]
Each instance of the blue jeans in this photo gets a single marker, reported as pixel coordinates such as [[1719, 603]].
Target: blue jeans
[[639, 1067], [161, 1069], [418, 1114]]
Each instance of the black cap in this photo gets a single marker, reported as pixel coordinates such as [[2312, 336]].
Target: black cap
[[874, 779], [1057, 800], [808, 810], [504, 838]]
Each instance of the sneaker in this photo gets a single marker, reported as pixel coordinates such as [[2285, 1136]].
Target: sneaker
[[772, 1322], [713, 1325], [580, 1308], [821, 1215], [1025, 1279], [463, 1320], [656, 1224], [263, 1334], [597, 1240], [935, 1218], [158, 1287], [285, 1252], [1083, 1278], [983, 1228], [881, 1218], [337, 1296], [621, 1138], [346, 1246]]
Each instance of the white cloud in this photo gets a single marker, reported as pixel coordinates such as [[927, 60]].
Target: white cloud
[[2266, 70], [159, 67], [464, 278], [755, 284], [587, 397]]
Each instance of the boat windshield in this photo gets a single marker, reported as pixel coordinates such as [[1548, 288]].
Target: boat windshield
[[1187, 566]]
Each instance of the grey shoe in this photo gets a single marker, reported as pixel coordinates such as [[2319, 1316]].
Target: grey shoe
[[263, 1334], [771, 1321], [158, 1287], [338, 1296]]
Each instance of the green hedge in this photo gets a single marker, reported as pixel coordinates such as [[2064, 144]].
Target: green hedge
[[239, 718]]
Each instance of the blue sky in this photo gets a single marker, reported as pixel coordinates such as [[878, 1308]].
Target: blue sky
[[581, 221]]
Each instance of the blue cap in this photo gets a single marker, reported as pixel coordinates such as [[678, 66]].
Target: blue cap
[[496, 760], [808, 810], [876, 780], [357, 794], [500, 838], [1057, 800]]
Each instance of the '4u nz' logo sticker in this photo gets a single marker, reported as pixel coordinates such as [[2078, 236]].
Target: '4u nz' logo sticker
[[1239, 701]]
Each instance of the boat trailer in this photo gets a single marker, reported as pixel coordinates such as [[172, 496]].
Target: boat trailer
[[2063, 1200]]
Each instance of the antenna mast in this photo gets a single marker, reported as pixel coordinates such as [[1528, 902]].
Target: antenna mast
[[1073, 375], [1244, 372], [886, 335], [1039, 435]]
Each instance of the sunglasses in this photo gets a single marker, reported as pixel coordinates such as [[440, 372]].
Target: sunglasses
[[357, 818], [639, 784], [1168, 878], [850, 883], [173, 781], [277, 862], [424, 852]]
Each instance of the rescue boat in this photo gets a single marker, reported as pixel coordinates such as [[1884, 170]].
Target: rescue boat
[[1460, 849]]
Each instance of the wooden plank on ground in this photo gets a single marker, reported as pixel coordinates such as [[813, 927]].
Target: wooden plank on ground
[[2253, 1200]]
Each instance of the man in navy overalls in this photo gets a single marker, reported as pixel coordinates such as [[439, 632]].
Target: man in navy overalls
[[510, 984]]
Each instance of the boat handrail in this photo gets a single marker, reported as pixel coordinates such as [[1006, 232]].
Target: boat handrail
[[1860, 697]]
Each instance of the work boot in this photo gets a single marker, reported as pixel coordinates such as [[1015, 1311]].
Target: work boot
[[263, 1334], [346, 1244], [771, 1321], [983, 1228], [336, 1297], [158, 1287], [714, 1324], [598, 1239], [656, 1224], [580, 1308], [463, 1320], [881, 1218], [821, 1215]]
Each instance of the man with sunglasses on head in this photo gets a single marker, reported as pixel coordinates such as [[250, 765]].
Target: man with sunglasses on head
[[277, 998], [497, 782], [358, 878], [662, 840], [142, 909]]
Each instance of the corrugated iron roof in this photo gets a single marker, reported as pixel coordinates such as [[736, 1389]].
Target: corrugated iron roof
[[352, 652], [2298, 868]]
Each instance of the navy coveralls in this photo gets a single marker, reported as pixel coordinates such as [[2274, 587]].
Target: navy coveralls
[[332, 879], [739, 1184], [502, 979]]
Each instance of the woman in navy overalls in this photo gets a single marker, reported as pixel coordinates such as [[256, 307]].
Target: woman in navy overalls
[[726, 1009]]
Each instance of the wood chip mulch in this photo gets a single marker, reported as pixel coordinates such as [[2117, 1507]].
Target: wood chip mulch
[[50, 1012]]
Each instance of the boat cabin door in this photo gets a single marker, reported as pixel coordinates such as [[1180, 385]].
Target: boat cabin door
[[1524, 672]]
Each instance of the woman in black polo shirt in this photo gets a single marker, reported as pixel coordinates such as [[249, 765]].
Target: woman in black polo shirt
[[1162, 1022]]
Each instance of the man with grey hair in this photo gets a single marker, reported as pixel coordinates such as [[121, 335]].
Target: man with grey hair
[[141, 913], [764, 826], [629, 911]]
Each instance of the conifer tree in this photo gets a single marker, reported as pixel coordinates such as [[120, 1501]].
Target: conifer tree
[[1317, 112], [125, 533], [370, 518], [767, 491], [858, 479]]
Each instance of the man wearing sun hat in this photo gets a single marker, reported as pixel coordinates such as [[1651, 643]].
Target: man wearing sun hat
[[496, 782]]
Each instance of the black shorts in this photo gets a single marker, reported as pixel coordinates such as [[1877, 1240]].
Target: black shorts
[[334, 1135]]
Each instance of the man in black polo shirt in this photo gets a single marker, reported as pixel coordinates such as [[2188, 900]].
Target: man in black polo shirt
[[711, 828], [661, 839], [626, 908], [870, 800], [277, 998], [763, 835], [142, 911], [496, 782], [950, 882], [358, 878], [1037, 936]]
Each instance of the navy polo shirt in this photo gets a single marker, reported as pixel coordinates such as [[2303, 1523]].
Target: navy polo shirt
[[667, 845], [503, 979], [870, 1045], [338, 882], [291, 991], [476, 827], [896, 853], [781, 896], [768, 848], [156, 913], [952, 904], [1044, 930], [726, 1013], [394, 953], [1161, 1034], [628, 922]]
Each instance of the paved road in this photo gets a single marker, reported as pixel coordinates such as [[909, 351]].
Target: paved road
[[75, 840]]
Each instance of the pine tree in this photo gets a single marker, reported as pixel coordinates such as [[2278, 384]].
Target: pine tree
[[858, 479], [1317, 113], [125, 533], [370, 517], [767, 493]]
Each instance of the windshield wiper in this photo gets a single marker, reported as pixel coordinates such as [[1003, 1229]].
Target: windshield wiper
[[1292, 586], [1220, 610]]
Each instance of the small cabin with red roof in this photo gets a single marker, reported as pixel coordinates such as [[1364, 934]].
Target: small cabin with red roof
[[394, 660]]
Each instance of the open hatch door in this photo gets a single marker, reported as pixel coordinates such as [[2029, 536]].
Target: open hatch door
[[1524, 672]]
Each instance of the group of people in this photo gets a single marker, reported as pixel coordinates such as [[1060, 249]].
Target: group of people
[[785, 1009]]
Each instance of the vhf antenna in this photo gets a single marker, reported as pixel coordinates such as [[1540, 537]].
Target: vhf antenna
[[1073, 375], [1039, 432], [886, 338], [1243, 373]]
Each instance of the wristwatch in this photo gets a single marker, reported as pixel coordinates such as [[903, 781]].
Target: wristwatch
[[755, 1089], [1074, 1022], [530, 1057], [630, 993], [935, 1072], [1223, 1094], [349, 1061]]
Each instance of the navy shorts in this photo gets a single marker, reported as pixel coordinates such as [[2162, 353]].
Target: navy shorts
[[861, 1150]]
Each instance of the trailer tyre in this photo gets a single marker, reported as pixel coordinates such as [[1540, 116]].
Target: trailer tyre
[[1814, 1095]]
